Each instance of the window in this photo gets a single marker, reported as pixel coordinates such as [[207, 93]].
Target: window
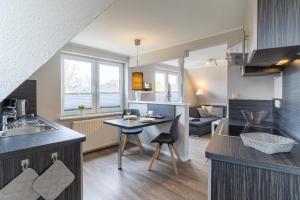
[[160, 86], [162, 80], [109, 84], [173, 81], [77, 84], [94, 83]]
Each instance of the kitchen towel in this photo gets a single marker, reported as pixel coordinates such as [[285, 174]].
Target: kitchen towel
[[21, 187], [53, 181]]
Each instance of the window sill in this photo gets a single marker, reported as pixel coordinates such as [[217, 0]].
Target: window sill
[[88, 116]]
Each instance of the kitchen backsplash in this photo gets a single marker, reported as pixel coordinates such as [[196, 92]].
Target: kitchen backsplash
[[236, 105], [288, 116], [27, 90]]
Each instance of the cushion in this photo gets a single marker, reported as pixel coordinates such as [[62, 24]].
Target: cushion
[[203, 112], [193, 112], [132, 130], [217, 112], [208, 108]]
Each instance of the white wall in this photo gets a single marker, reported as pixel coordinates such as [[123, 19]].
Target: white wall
[[49, 79], [189, 90], [278, 86], [32, 31], [258, 87], [213, 81], [149, 76]]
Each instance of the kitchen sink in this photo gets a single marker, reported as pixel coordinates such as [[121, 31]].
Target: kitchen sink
[[26, 126], [25, 130]]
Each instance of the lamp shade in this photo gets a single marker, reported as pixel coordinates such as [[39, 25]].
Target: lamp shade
[[137, 81], [199, 92]]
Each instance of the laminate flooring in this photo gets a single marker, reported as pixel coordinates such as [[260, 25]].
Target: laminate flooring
[[102, 180]]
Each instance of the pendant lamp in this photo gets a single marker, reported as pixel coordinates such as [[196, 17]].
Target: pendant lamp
[[137, 77]]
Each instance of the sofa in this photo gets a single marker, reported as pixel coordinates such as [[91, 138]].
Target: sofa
[[202, 125]]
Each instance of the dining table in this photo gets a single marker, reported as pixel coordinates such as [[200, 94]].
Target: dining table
[[121, 123]]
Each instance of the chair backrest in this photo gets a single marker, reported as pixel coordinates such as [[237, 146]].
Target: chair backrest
[[132, 112], [174, 132]]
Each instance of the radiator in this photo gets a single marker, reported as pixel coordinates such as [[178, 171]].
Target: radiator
[[98, 135]]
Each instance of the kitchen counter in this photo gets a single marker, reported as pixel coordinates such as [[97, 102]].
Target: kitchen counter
[[28, 142], [231, 149], [37, 149]]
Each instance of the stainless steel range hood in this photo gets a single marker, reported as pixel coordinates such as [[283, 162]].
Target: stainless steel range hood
[[259, 71], [263, 62], [269, 57]]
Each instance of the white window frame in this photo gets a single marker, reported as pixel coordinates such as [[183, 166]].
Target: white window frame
[[121, 87], [95, 85], [166, 74]]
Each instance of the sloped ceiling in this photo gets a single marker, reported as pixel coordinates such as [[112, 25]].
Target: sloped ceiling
[[160, 23], [32, 31]]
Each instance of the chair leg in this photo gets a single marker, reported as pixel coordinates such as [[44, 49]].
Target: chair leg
[[154, 156], [173, 160], [157, 155], [177, 155], [139, 144], [124, 144]]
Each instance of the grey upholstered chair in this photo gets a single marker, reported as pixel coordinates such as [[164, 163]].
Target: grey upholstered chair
[[135, 132]]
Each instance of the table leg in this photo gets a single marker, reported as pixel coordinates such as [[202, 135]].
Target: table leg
[[120, 149]]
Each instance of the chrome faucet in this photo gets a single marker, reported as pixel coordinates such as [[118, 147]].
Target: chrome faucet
[[4, 122]]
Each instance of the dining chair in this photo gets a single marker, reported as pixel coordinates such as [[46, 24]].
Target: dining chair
[[135, 132], [169, 139]]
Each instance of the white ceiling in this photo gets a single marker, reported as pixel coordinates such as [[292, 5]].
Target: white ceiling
[[200, 58], [159, 23]]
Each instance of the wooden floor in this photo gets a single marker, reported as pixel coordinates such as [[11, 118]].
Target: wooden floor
[[102, 180]]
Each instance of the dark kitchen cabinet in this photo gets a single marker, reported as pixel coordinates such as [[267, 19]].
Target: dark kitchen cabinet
[[278, 23], [229, 181], [271, 24], [40, 160]]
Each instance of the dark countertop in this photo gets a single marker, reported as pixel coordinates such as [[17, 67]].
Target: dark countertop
[[28, 142], [231, 149], [131, 124]]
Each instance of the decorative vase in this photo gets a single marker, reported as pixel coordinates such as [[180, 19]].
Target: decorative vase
[[81, 112]]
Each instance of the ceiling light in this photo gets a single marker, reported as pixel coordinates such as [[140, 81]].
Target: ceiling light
[[282, 62], [199, 92], [137, 77]]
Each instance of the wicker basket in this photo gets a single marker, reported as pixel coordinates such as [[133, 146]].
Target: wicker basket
[[267, 143]]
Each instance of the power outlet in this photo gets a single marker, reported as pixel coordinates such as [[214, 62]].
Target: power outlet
[[25, 163], [277, 103]]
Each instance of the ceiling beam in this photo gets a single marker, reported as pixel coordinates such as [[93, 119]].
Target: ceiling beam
[[230, 37]]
